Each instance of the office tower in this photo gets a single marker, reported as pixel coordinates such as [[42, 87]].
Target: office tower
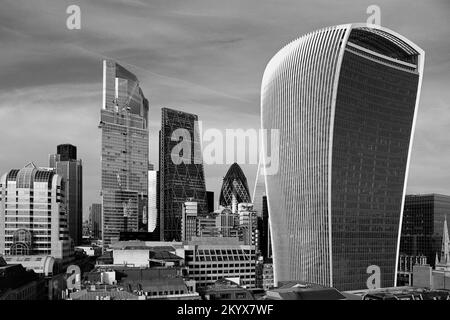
[[67, 165], [248, 225], [153, 196], [344, 100], [259, 190], [86, 229], [124, 162], [95, 219], [234, 187], [210, 201], [259, 199], [264, 231], [206, 226], [189, 220], [33, 219], [226, 223], [423, 217], [179, 180]]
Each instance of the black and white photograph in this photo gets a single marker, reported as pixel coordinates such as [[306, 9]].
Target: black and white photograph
[[214, 158]]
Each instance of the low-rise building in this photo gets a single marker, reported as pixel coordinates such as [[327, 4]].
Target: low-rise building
[[401, 293], [43, 265], [210, 259], [300, 290], [226, 290], [17, 283]]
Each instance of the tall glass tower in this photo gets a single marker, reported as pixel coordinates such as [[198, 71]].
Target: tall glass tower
[[67, 165], [179, 181], [234, 186], [125, 152], [344, 100]]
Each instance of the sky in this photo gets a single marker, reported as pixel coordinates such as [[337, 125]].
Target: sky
[[201, 56]]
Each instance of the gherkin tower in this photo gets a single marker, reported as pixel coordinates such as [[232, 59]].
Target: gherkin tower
[[234, 183]]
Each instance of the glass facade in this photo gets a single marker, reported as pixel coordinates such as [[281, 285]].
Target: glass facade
[[234, 185], [423, 218], [372, 129], [183, 181], [153, 203], [125, 152], [344, 100], [66, 164], [259, 189], [95, 220]]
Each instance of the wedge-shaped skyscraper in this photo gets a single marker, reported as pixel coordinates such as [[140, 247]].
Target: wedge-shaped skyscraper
[[345, 100]]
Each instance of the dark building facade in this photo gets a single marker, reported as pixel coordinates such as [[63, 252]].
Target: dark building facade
[[423, 217], [264, 230], [344, 100], [234, 186], [210, 201], [95, 220], [125, 152], [67, 165], [181, 180], [66, 152]]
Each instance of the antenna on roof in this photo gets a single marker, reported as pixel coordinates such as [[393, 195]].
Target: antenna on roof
[[30, 165]]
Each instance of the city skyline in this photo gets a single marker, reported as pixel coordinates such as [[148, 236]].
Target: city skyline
[[224, 150], [190, 69]]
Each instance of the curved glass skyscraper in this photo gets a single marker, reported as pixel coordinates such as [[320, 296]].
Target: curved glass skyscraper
[[234, 185], [344, 99]]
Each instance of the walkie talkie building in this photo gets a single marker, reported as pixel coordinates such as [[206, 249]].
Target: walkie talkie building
[[344, 100]]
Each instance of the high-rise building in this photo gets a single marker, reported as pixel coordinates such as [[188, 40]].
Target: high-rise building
[[264, 231], [95, 220], [153, 197], [183, 179], [226, 223], [259, 200], [344, 100], [33, 218], [423, 217], [210, 201], [66, 152], [125, 152], [248, 224], [259, 190], [234, 187], [67, 165], [189, 220]]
